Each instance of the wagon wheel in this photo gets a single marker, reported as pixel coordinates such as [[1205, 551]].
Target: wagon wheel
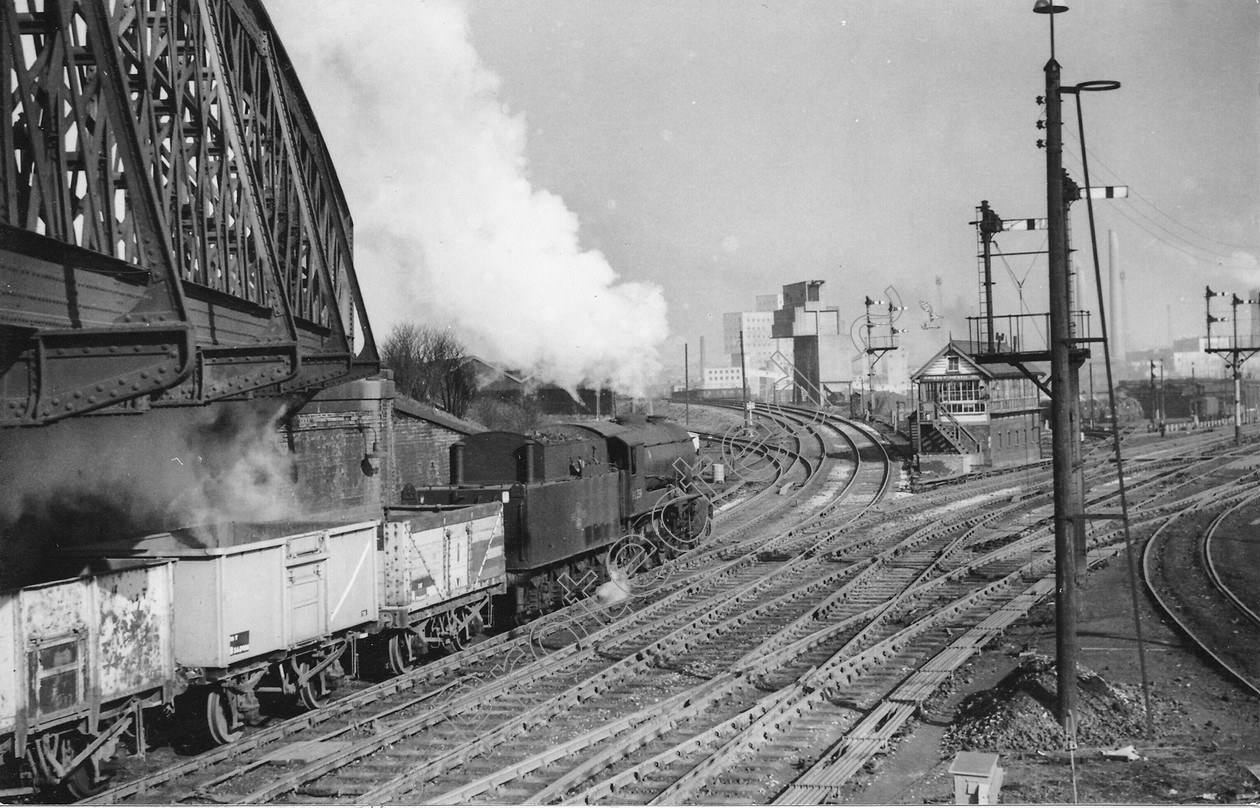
[[454, 638], [472, 628], [462, 628], [312, 694], [218, 717], [50, 754], [404, 648]]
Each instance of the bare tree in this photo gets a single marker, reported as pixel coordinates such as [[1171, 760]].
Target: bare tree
[[430, 365]]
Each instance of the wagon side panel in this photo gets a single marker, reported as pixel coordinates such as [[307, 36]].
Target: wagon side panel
[[352, 576], [135, 627], [55, 632], [11, 686], [485, 549]]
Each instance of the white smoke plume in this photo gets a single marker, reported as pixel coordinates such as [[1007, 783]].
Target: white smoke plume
[[449, 229]]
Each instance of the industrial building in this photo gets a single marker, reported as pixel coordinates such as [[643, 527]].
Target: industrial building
[[819, 343]]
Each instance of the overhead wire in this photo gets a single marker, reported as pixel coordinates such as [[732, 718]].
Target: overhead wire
[[1019, 284], [1127, 212], [1136, 194], [1115, 431]]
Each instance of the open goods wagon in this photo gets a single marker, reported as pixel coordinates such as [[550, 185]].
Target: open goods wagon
[[250, 593], [217, 615], [440, 567], [79, 660]]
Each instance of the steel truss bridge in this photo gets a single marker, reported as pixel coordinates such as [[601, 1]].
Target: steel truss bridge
[[172, 231]]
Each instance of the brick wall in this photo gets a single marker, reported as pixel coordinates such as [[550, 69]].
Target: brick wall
[[329, 451], [1014, 439], [421, 453], [331, 436]]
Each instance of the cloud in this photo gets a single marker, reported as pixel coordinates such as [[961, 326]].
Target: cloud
[[449, 229]]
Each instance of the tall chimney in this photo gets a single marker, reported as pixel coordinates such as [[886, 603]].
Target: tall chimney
[[1116, 316]]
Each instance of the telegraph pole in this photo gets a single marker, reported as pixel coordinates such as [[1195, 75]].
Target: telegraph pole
[[1069, 500], [1163, 410], [686, 384], [1237, 379], [743, 377]]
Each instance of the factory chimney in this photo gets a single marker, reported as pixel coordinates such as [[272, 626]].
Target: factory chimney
[[1116, 316]]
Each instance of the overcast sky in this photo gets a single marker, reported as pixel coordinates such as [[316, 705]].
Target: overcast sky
[[674, 159]]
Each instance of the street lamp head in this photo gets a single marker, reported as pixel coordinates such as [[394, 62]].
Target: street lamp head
[[1048, 7]]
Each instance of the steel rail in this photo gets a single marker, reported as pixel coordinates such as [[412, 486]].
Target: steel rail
[[1159, 594], [570, 655], [1210, 564], [658, 654], [1024, 570], [590, 647], [255, 796], [764, 658], [496, 646], [759, 655]]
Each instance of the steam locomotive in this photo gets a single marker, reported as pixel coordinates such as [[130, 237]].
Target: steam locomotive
[[579, 501], [205, 620]]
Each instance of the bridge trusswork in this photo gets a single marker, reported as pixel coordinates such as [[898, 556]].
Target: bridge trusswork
[[171, 228]]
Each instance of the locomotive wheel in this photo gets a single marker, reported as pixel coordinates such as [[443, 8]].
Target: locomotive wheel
[[51, 753], [403, 651], [314, 693], [218, 715]]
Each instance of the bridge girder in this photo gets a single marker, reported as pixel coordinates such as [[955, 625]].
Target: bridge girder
[[172, 231]]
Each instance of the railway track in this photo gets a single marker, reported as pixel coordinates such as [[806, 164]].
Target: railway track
[[769, 663], [504, 654], [1186, 582]]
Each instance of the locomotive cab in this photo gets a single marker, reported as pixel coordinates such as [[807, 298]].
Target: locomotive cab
[[654, 456]]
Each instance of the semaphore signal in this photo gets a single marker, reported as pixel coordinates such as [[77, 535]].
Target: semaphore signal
[[1235, 355]]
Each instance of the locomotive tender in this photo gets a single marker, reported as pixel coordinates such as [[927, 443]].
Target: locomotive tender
[[579, 499]]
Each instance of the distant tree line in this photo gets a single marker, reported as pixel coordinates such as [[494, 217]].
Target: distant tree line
[[430, 365]]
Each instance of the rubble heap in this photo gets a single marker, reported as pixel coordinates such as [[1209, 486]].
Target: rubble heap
[[1017, 715]]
